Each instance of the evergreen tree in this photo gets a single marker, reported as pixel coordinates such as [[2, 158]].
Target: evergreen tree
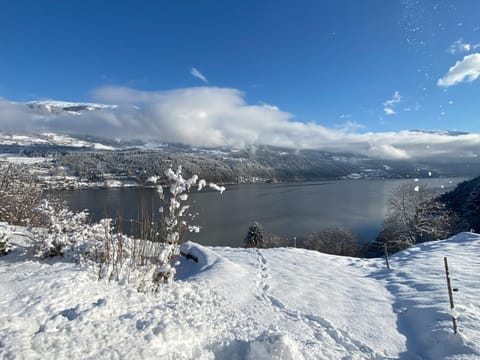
[[254, 236]]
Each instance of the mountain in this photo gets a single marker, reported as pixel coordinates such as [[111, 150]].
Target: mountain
[[139, 160], [441, 132], [52, 107], [46, 142]]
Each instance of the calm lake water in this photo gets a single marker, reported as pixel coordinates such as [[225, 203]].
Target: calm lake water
[[289, 209]]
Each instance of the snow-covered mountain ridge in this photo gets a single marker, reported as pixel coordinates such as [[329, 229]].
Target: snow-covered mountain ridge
[[49, 140]]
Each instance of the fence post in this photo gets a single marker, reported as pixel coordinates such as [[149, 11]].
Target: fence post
[[386, 255], [450, 295]]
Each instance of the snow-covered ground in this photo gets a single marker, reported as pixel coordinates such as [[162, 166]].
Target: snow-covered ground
[[247, 304], [15, 159]]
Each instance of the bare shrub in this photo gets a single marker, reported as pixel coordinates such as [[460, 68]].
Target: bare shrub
[[272, 240], [336, 241]]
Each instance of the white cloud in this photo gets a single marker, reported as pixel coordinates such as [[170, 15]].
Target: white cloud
[[350, 126], [391, 103], [268, 106], [467, 69], [389, 111], [195, 73], [18, 118], [212, 116], [396, 98]]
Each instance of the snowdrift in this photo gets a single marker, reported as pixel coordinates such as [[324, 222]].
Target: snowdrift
[[247, 304]]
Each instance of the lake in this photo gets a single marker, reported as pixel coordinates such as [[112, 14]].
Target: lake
[[288, 209]]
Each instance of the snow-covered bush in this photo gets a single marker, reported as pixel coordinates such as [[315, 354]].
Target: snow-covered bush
[[254, 236], [151, 260], [69, 234], [174, 223], [64, 231], [146, 261]]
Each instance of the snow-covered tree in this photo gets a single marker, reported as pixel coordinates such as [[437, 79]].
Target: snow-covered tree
[[415, 215], [254, 236]]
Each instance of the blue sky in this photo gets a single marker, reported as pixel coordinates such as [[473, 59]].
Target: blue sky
[[363, 65]]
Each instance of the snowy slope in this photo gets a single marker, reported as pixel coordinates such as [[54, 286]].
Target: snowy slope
[[248, 304], [50, 139]]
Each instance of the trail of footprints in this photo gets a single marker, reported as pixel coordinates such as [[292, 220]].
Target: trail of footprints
[[322, 329]]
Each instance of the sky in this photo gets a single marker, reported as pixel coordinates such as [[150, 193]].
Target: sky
[[341, 66]]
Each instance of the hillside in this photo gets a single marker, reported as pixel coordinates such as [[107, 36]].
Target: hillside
[[465, 201], [247, 304], [95, 159]]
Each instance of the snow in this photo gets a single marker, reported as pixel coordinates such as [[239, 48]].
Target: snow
[[21, 159], [213, 186], [50, 139], [237, 303], [113, 183]]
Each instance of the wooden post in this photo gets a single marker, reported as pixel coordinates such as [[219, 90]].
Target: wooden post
[[450, 295], [386, 255]]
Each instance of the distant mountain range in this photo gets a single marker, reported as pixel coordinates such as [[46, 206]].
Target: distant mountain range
[[62, 107], [221, 163], [92, 158], [441, 132]]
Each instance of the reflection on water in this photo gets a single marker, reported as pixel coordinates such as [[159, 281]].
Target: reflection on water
[[291, 209]]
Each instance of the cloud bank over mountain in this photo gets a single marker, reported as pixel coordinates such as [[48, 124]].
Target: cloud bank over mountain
[[213, 116]]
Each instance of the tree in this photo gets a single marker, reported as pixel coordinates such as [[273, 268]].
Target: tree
[[254, 238], [415, 215], [19, 195]]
